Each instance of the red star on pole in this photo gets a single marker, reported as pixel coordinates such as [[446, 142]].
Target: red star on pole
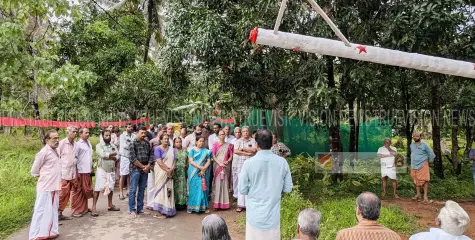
[[295, 49], [362, 49]]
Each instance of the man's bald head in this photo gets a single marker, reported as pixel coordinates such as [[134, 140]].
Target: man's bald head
[[369, 205]]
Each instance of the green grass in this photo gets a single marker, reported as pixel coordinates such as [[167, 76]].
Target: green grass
[[17, 186]]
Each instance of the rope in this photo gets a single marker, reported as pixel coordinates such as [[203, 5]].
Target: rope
[[283, 5], [335, 29]]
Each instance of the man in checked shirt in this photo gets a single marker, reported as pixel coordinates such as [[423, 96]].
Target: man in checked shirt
[[141, 161]]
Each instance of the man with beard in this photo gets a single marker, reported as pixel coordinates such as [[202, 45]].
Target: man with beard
[[81, 193], [47, 167], [213, 138], [67, 153], [421, 155], [105, 177], [205, 133], [190, 140]]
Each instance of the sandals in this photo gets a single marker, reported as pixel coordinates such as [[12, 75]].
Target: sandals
[[238, 209], [133, 215], [416, 198], [62, 217], [113, 209], [207, 211], [121, 197], [94, 214], [78, 215]]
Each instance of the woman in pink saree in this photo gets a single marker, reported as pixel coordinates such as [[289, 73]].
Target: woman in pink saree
[[222, 157]]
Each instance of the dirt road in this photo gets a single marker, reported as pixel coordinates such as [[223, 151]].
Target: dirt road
[[118, 225]]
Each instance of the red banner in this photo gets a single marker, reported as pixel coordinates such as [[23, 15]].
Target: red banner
[[21, 122]]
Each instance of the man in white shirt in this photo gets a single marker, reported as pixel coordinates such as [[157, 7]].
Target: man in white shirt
[[235, 173], [213, 138], [227, 132], [452, 222], [388, 166]]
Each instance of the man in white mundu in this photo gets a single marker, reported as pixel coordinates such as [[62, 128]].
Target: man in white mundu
[[47, 167], [388, 166]]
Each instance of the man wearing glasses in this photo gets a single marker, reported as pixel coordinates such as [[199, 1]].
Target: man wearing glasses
[[47, 167]]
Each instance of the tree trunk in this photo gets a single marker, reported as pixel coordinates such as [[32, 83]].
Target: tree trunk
[[264, 119], [438, 166], [365, 131], [353, 140], [150, 8], [276, 120], [455, 144], [334, 127], [358, 123], [34, 97], [468, 136]]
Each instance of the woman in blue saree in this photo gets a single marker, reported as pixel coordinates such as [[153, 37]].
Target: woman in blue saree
[[198, 177]]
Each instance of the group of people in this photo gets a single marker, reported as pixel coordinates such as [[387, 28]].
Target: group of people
[[177, 170], [181, 171]]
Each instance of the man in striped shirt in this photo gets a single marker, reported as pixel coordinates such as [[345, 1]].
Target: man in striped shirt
[[368, 207]]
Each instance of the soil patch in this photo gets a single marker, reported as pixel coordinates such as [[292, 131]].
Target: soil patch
[[426, 213]]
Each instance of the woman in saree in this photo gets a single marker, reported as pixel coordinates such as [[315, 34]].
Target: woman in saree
[[165, 156], [179, 175], [198, 177], [222, 157]]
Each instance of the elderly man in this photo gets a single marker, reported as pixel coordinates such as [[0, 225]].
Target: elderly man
[[213, 138], [126, 140], [244, 148], [279, 148], [308, 227], [170, 132], [263, 178], [141, 161], [235, 172], [388, 166], [190, 140], [214, 228], [105, 177], [368, 207], [421, 155], [227, 132], [81, 193], [47, 167], [452, 222], [67, 153]]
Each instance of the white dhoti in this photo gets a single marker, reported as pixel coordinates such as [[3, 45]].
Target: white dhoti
[[235, 173], [124, 166], [253, 233], [150, 189], [388, 172], [44, 223], [104, 181]]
